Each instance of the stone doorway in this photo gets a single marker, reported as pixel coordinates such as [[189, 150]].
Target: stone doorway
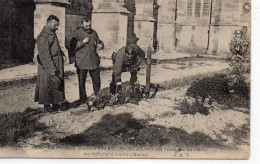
[[17, 26]]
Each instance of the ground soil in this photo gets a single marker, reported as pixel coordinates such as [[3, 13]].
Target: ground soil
[[152, 123]]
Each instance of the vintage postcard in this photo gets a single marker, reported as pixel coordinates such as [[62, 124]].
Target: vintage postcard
[[125, 79]]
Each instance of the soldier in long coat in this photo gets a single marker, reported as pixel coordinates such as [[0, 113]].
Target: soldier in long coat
[[50, 79]]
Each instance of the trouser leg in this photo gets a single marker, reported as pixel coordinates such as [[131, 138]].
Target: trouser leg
[[113, 85], [95, 76], [133, 78], [82, 75], [47, 108]]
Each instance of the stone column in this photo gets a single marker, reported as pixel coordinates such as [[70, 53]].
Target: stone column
[[144, 23], [109, 19], [166, 26], [45, 8]]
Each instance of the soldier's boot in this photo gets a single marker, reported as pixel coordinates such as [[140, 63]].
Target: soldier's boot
[[56, 107], [47, 108], [113, 88]]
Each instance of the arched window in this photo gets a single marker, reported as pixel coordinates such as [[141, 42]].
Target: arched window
[[206, 8], [197, 8], [189, 7]]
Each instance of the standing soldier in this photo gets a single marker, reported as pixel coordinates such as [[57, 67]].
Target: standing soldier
[[50, 79], [126, 59], [87, 59]]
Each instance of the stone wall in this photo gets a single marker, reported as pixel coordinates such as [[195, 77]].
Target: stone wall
[[227, 16], [144, 23], [220, 38], [192, 26], [72, 22], [197, 29], [231, 12], [166, 26], [144, 31], [112, 30], [191, 39], [109, 19]]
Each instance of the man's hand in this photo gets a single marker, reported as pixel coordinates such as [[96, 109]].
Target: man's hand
[[154, 62], [65, 59], [100, 47], [55, 73], [118, 87], [86, 40], [134, 68]]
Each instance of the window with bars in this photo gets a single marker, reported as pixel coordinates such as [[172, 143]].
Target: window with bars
[[189, 7], [206, 8], [197, 8]]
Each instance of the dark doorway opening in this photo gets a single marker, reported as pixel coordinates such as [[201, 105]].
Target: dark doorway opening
[[17, 32]]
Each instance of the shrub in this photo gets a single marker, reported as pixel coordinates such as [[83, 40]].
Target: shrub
[[132, 94], [228, 90], [240, 43], [240, 50], [192, 108], [214, 88], [17, 126]]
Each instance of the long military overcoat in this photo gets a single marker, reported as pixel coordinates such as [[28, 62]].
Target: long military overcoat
[[49, 89]]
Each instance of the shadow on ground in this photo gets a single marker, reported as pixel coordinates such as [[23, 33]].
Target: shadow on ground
[[16, 127], [123, 129]]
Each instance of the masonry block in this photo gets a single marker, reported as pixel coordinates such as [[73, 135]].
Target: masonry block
[[111, 29]]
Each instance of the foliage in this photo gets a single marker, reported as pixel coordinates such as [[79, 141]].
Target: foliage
[[132, 94], [192, 108], [240, 43], [240, 50], [215, 88], [17, 126], [229, 90]]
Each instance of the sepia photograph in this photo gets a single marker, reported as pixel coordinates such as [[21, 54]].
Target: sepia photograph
[[125, 79]]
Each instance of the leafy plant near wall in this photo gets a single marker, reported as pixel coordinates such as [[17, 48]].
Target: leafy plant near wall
[[240, 51], [230, 90]]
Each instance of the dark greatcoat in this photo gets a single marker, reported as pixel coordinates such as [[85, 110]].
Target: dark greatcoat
[[86, 54], [49, 90]]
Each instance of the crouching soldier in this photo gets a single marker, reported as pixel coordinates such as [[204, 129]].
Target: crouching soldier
[[126, 59]]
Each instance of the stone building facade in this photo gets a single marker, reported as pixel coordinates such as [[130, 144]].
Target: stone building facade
[[227, 16], [166, 26], [109, 19], [201, 26], [188, 26], [169, 26], [144, 23]]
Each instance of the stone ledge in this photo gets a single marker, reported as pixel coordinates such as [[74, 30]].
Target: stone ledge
[[52, 1], [113, 10]]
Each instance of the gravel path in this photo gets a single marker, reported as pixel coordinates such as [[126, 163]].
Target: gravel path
[[18, 98]]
